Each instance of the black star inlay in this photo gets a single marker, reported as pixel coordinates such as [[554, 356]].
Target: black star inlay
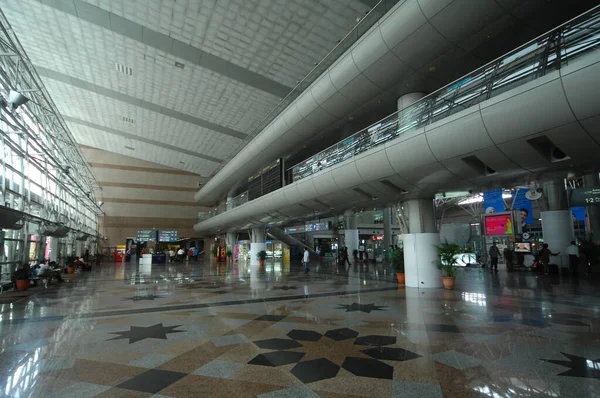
[[579, 366], [285, 287], [361, 307], [136, 333], [146, 297]]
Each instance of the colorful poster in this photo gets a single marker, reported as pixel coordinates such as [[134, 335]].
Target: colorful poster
[[523, 205], [286, 254], [236, 252], [500, 224], [493, 201]]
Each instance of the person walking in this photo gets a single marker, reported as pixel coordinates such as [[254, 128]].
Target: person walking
[[494, 255], [305, 259], [171, 256], [573, 252], [545, 254]]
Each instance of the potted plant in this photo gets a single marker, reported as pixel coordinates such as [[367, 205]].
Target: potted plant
[[398, 266], [261, 256], [447, 253], [215, 253], [20, 278], [229, 253], [70, 260]]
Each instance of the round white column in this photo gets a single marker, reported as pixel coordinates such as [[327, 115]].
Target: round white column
[[557, 226], [408, 99], [387, 232], [420, 260], [350, 231], [257, 244]]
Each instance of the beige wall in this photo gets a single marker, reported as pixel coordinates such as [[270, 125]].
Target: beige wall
[[142, 195]]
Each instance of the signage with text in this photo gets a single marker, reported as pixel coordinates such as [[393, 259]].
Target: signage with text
[[499, 224], [167, 236], [585, 197], [146, 235], [300, 229]]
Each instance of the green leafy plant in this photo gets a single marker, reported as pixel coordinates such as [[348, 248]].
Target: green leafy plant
[[261, 255], [215, 251], [398, 261], [447, 253], [229, 253]]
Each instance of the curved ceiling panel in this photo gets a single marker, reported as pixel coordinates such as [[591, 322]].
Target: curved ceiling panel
[[533, 110], [581, 87], [465, 134], [414, 164], [459, 21], [373, 167]]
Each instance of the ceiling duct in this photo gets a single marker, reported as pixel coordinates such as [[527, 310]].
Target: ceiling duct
[[54, 230], [10, 219]]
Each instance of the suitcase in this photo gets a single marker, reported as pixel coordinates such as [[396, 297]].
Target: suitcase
[[552, 269]]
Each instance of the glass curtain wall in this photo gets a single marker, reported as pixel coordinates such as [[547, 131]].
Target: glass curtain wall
[[46, 187]]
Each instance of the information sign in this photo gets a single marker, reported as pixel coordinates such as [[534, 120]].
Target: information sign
[[167, 236], [585, 197], [146, 235]]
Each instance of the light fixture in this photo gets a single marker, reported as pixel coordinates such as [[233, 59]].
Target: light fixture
[[16, 99], [100, 203]]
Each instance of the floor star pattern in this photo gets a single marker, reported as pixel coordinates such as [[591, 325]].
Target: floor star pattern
[[137, 333], [579, 366], [367, 308]]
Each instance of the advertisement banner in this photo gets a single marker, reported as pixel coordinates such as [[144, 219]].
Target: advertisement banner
[[525, 208], [493, 202], [500, 224], [286, 254]]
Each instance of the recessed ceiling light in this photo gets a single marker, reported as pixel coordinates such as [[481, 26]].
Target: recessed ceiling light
[[179, 65], [181, 162], [432, 69], [124, 69]]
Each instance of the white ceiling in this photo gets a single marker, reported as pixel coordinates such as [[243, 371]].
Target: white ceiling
[[240, 58]]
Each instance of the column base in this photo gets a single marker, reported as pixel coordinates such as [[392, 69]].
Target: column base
[[421, 259], [254, 249], [557, 226]]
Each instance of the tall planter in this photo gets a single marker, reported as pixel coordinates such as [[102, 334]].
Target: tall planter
[[447, 260]]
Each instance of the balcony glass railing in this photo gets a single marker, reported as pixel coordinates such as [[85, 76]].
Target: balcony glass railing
[[529, 62]]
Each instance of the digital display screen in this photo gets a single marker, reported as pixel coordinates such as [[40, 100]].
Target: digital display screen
[[167, 236], [146, 235], [585, 197], [499, 224], [523, 247]]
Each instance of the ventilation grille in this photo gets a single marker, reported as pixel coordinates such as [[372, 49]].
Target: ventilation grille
[[127, 119], [364, 194], [124, 69], [549, 151], [130, 148], [393, 186], [179, 65], [476, 164]]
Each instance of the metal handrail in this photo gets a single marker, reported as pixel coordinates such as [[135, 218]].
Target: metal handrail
[[526, 63]]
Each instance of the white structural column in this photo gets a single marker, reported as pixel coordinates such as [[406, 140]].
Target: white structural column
[[230, 240], [54, 249], [78, 248], [408, 99], [257, 243], [420, 254], [387, 231], [557, 221], [350, 231]]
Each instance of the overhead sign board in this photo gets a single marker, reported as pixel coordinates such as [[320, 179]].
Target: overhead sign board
[[585, 197], [167, 236], [146, 235], [300, 229]]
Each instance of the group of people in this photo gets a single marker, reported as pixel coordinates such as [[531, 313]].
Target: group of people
[[179, 256], [544, 255]]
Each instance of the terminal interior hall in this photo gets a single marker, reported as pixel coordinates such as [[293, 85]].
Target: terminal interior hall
[[300, 198]]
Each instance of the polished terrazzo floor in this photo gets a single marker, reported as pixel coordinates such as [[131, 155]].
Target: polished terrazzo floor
[[202, 329]]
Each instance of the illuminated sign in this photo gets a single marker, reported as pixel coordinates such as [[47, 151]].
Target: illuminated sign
[[167, 236], [499, 224], [146, 235], [585, 197]]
